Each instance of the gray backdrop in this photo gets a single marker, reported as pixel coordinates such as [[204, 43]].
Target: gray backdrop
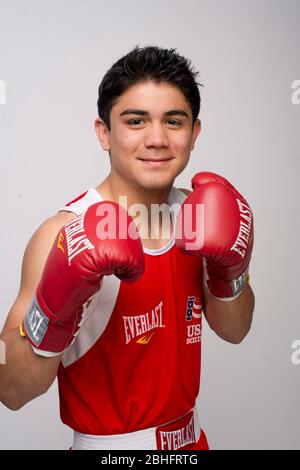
[[53, 55]]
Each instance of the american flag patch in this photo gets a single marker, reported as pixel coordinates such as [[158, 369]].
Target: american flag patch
[[193, 308]]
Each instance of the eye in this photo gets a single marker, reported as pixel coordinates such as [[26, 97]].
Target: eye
[[135, 121], [174, 122]]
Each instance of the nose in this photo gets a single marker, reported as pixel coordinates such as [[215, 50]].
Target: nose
[[156, 135]]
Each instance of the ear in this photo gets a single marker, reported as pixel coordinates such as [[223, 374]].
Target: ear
[[102, 134], [196, 132]]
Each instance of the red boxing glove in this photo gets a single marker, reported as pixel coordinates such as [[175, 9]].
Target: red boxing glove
[[83, 252], [223, 233]]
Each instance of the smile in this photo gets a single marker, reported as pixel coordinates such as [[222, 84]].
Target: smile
[[155, 162]]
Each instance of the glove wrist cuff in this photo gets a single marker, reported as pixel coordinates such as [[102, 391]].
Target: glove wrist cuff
[[42, 329], [228, 289]]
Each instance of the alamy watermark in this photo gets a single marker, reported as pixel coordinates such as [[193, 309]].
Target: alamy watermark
[[295, 97], [2, 92], [157, 222], [295, 357]]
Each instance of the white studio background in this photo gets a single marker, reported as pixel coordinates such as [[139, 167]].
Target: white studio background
[[53, 55]]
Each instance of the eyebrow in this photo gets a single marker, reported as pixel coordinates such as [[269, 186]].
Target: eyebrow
[[141, 112]]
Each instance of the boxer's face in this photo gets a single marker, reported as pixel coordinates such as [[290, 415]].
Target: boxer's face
[[149, 147]]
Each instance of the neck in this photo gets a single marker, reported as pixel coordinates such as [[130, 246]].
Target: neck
[[113, 187]]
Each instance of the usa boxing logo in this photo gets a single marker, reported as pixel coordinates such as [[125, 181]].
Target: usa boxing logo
[[193, 311]]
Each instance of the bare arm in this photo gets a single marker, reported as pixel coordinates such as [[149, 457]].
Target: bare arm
[[26, 375], [230, 320]]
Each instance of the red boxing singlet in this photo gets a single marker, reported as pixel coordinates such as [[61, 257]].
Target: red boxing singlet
[[135, 363]]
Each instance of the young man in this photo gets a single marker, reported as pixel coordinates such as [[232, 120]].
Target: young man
[[118, 317]]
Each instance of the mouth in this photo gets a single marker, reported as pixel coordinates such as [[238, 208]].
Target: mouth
[[155, 162]]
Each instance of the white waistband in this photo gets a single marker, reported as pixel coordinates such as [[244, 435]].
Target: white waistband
[[138, 440]]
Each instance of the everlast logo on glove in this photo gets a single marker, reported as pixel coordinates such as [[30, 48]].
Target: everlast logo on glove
[[238, 284], [242, 241], [75, 241], [36, 323]]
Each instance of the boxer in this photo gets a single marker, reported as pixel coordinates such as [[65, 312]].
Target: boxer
[[118, 318]]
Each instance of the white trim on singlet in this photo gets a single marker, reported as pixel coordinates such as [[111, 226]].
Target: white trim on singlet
[[78, 207], [95, 321], [175, 199]]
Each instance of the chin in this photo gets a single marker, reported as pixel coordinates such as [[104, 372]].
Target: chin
[[158, 180], [156, 183]]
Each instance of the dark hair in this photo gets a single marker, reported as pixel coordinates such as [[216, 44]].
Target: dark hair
[[148, 63]]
